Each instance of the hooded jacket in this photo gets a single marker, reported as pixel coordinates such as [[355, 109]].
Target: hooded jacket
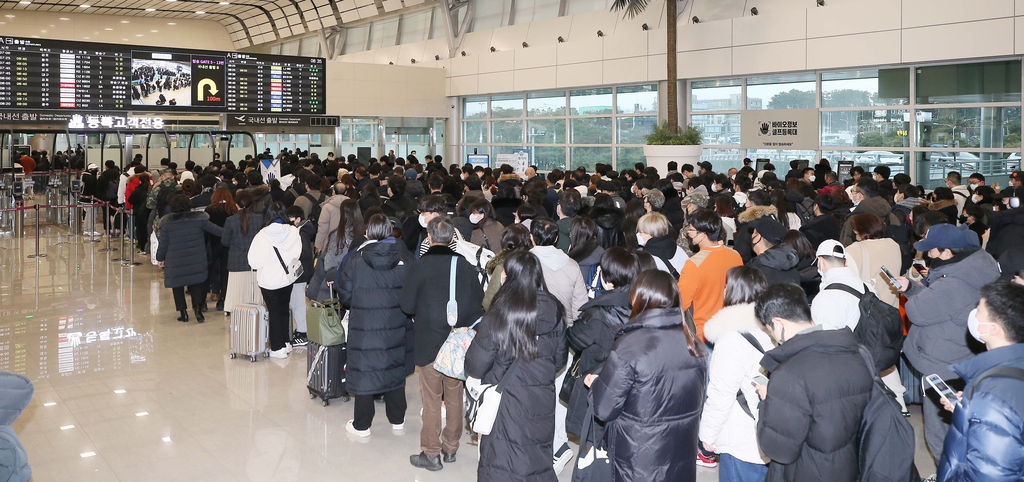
[[563, 278], [876, 205], [370, 285], [666, 253], [15, 394], [587, 255], [1006, 231], [938, 310], [487, 233], [182, 247], [835, 309], [810, 421], [742, 242], [650, 394], [270, 274], [778, 264], [564, 232], [734, 363], [609, 226], [330, 218], [821, 228], [505, 208]]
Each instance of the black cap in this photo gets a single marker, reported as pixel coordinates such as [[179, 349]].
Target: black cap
[[706, 165], [769, 229]]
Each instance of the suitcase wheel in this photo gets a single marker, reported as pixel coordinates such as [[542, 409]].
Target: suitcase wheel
[[233, 356], [346, 398], [266, 354], [326, 402], [312, 395], [252, 358]]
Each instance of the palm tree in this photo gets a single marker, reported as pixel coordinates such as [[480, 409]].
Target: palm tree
[[634, 8]]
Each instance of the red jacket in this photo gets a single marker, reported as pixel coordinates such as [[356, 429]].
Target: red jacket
[[128, 188], [27, 164]]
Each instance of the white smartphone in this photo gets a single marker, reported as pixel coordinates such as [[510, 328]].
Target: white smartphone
[[891, 278], [940, 386], [761, 380]]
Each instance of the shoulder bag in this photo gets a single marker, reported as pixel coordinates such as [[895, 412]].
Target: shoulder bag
[[592, 463], [451, 358], [483, 400], [323, 325], [291, 271]]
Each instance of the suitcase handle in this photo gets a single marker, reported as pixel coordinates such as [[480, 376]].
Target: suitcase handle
[[316, 360]]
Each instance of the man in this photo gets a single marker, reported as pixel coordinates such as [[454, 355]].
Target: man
[[310, 201], [810, 413], [705, 168], [1006, 224], [612, 189], [866, 199], [960, 192], [673, 167], [687, 171], [795, 172], [702, 279], [975, 181], [425, 298], [107, 189], [835, 309], [855, 174], [398, 205], [831, 183], [330, 216], [732, 173], [530, 173], [431, 207], [986, 441], [775, 259], [205, 197], [808, 176], [28, 164], [569, 204], [886, 188], [90, 186], [938, 308]]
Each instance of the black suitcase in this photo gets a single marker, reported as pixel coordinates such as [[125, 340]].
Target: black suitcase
[[325, 371]]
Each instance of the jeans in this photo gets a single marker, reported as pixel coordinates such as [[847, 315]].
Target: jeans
[[297, 303], [198, 293], [434, 385], [732, 469], [277, 311], [394, 405]]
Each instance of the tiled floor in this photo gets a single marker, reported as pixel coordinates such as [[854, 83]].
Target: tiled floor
[[126, 393]]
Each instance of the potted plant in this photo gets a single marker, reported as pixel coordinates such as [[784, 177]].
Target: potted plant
[[664, 145]]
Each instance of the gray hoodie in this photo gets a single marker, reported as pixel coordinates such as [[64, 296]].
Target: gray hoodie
[[564, 279], [15, 393]]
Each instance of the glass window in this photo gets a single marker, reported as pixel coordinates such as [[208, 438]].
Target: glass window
[[781, 92], [533, 10], [591, 130], [507, 132], [589, 157], [503, 106], [290, 48], [629, 156], [633, 129], [723, 159], [636, 99], [895, 160], [585, 6], [415, 27], [983, 82], [590, 101], [777, 156], [275, 49], [986, 127], [346, 133], [468, 150], [490, 14], [355, 39], [309, 47], [383, 33], [474, 132], [474, 108], [548, 158], [710, 95], [995, 166], [546, 131], [364, 132], [437, 26], [718, 129], [543, 104], [863, 88], [865, 128]]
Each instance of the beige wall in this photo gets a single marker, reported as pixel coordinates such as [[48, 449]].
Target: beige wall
[[373, 90], [186, 33]]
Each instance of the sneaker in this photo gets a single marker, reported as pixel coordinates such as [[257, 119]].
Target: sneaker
[[706, 459], [282, 353], [562, 458], [398, 427], [422, 461], [288, 346], [358, 433], [299, 339]]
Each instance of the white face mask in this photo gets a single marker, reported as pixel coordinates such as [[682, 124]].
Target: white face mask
[[641, 239], [976, 198], [423, 220], [974, 186], [811, 178], [714, 188], [476, 218], [732, 177], [973, 323]]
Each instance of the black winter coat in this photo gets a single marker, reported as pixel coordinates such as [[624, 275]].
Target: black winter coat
[[609, 226], [237, 242], [519, 447], [182, 247], [592, 337], [651, 393], [1007, 231], [810, 420], [505, 209], [821, 228], [778, 264], [370, 285]]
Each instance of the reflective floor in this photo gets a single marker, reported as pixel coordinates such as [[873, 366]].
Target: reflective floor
[[124, 392]]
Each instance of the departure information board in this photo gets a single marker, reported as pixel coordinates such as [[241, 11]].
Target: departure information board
[[39, 74]]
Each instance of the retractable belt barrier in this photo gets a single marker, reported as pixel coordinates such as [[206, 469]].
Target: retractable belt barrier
[[94, 204]]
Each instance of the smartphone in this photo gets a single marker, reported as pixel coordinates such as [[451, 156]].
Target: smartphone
[[940, 386], [763, 380], [892, 279]]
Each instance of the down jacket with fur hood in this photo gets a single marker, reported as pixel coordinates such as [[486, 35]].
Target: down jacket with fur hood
[[743, 244]]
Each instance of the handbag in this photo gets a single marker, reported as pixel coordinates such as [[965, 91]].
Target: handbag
[[483, 400], [291, 271], [592, 463], [570, 381], [323, 324], [451, 358]]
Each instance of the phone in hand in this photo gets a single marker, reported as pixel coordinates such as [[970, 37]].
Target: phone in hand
[[891, 278], [761, 380], [940, 386]]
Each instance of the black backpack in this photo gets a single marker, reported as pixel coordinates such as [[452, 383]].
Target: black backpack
[[886, 440], [112, 186], [880, 328], [314, 212]]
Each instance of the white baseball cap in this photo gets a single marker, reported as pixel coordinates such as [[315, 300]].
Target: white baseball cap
[[831, 247]]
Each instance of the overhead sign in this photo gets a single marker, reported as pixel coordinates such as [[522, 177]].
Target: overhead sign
[[283, 120], [779, 129], [78, 122]]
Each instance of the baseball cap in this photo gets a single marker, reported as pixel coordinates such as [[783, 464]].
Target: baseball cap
[[92, 166], [945, 236], [1011, 262], [769, 229], [410, 174], [831, 247], [706, 165]]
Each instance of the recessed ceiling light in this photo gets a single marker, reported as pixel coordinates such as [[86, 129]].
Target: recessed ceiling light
[[171, 23], [125, 21], [67, 427], [25, 3], [85, 6], [108, 29], [35, 36], [87, 454], [119, 390], [200, 12], [65, 18], [166, 439], [9, 16], [224, 3], [141, 414], [153, 31], [138, 35], [124, 40], [150, 9], [42, 31], [49, 404]]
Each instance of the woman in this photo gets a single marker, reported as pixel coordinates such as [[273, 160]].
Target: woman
[[944, 202], [524, 330], [872, 251], [272, 251], [348, 236], [181, 251], [593, 334], [632, 214], [506, 202], [724, 209], [653, 234], [515, 238], [608, 219], [728, 424], [136, 202], [807, 266], [584, 248], [239, 231], [824, 225], [220, 209], [651, 388], [486, 228], [786, 216], [369, 286]]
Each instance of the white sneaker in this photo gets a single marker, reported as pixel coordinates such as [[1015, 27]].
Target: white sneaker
[[358, 433], [398, 427], [282, 353], [562, 458], [288, 346]]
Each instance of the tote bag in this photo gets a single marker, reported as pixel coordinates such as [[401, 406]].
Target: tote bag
[[324, 326], [451, 358], [483, 401]]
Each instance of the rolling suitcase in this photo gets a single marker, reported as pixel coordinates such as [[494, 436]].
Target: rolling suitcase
[[248, 329], [325, 371]]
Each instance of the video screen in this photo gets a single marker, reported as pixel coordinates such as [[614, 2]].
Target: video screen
[[161, 79]]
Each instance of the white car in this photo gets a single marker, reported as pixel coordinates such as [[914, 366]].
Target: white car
[[878, 157]]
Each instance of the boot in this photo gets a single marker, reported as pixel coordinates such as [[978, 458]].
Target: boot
[[205, 308], [199, 316], [220, 305], [184, 316]]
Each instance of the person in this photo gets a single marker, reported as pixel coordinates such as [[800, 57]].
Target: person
[[311, 199], [90, 190], [515, 237], [523, 331], [866, 199], [239, 231], [758, 205], [943, 201], [136, 202], [651, 387], [330, 216], [653, 235], [702, 279], [824, 225], [724, 207], [593, 334], [221, 207], [569, 204], [181, 251], [938, 308], [810, 415], [961, 193], [870, 252], [775, 259], [834, 309], [985, 441], [728, 423], [297, 300], [273, 250], [370, 285], [425, 296], [486, 228]]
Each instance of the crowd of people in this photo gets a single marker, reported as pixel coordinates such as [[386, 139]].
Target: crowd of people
[[677, 318]]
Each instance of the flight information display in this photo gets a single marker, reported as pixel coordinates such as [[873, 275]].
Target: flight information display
[[39, 74]]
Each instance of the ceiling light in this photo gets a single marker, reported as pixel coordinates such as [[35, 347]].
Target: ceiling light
[[150, 9], [42, 31], [87, 454], [85, 6], [65, 18], [141, 414], [166, 439], [119, 390], [200, 12], [49, 404], [171, 23], [108, 29], [25, 3], [124, 21], [224, 3], [9, 16], [153, 31], [67, 427]]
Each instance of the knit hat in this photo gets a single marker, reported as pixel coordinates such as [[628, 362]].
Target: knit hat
[[769, 229]]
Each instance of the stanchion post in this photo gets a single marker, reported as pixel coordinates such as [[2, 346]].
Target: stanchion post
[[37, 255], [92, 238], [122, 245], [131, 238], [106, 211]]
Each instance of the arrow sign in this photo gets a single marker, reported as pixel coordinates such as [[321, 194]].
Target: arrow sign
[[201, 86]]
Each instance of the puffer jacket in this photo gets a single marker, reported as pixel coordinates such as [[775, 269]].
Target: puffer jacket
[[820, 228], [563, 278], [778, 264], [723, 423], [609, 226], [587, 255], [270, 274], [330, 217], [238, 242], [370, 285], [986, 438], [938, 310], [519, 446], [592, 337], [15, 394], [809, 422], [742, 242], [650, 393], [877, 205], [505, 208], [182, 247], [487, 233]]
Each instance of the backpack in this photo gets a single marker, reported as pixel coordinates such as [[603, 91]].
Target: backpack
[[593, 280], [880, 328], [314, 212], [886, 439], [111, 194]]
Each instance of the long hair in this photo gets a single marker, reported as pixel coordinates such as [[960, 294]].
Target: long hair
[[655, 289], [221, 200], [743, 284], [244, 200], [274, 212], [514, 312], [350, 226]]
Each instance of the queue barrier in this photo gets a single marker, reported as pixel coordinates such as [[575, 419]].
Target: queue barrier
[[95, 203]]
